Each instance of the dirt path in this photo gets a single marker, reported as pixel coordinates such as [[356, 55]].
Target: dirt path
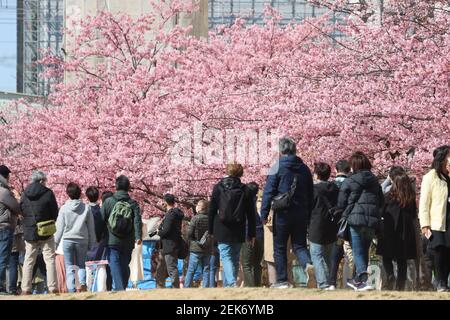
[[239, 294]]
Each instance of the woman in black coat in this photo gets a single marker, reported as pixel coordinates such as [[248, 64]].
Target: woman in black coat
[[361, 199], [398, 241]]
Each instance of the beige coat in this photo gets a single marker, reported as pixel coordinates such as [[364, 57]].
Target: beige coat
[[433, 202], [268, 241]]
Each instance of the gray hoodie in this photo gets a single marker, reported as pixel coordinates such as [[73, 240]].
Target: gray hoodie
[[75, 223]]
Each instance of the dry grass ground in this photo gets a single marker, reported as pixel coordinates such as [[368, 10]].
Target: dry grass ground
[[239, 294]]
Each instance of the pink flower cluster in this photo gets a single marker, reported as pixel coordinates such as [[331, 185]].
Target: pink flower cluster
[[382, 89]]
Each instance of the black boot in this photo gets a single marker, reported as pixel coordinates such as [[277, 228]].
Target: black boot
[[390, 282], [442, 286], [400, 285]]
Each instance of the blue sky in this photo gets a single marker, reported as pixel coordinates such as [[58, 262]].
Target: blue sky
[[8, 50]]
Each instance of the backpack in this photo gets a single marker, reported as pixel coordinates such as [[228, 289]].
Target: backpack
[[120, 220], [232, 204]]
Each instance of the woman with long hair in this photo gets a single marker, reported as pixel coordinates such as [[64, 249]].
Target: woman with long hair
[[398, 242], [434, 213], [361, 199]]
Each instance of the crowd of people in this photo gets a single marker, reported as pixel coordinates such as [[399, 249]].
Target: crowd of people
[[241, 228]]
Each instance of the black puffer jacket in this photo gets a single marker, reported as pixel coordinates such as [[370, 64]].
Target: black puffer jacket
[[170, 230], [362, 200], [321, 229], [38, 203]]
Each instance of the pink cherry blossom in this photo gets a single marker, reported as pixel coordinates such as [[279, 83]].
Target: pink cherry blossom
[[381, 88]]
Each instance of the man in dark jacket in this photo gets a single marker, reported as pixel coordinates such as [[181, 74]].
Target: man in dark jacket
[[340, 248], [231, 209], [252, 253], [292, 222], [96, 252], [169, 232], [323, 225], [119, 248], [361, 200], [38, 204], [9, 212]]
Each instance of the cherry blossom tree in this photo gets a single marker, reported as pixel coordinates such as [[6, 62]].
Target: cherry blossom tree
[[170, 110]]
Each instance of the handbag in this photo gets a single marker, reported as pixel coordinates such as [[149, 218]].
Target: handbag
[[204, 240], [46, 228], [283, 201], [343, 229]]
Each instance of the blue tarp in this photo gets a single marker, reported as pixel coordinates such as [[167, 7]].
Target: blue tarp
[[149, 281]]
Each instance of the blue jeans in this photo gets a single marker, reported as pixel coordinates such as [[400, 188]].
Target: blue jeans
[[230, 255], [6, 240], [119, 263], [214, 263], [360, 240], [196, 259], [321, 259], [75, 255], [294, 227], [198, 273], [13, 272], [336, 257]]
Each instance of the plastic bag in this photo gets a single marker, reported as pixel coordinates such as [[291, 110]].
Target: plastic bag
[[96, 276], [136, 265]]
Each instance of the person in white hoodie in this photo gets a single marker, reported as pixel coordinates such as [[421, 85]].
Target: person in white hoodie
[[76, 225]]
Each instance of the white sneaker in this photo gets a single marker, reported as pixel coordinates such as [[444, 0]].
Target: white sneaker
[[280, 285], [330, 288], [311, 280]]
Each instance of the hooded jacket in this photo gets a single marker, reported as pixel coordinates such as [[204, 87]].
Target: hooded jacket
[[321, 229], [111, 240], [75, 223], [170, 230], [362, 200], [280, 180], [231, 232], [38, 203], [9, 207]]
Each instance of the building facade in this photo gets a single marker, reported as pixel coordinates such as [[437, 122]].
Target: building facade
[[39, 29]]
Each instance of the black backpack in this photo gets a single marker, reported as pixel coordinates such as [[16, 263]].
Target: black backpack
[[232, 204]]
